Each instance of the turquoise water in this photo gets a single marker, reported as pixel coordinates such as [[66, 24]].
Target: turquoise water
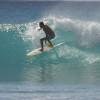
[[76, 61], [70, 71]]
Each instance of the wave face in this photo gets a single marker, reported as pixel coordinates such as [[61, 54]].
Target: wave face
[[76, 61]]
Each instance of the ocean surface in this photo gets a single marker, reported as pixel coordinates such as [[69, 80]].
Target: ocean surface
[[70, 71]]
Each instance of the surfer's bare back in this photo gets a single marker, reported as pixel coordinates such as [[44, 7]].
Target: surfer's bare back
[[49, 35]]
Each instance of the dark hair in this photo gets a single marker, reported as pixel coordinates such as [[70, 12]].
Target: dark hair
[[41, 24]]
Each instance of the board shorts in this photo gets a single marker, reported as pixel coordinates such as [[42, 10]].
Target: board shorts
[[49, 37]]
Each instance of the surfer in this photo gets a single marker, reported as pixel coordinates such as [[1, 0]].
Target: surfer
[[49, 35]]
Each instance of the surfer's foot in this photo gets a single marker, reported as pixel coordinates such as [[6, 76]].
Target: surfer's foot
[[41, 49], [50, 45]]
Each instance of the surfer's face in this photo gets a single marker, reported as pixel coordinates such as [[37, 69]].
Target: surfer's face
[[41, 24]]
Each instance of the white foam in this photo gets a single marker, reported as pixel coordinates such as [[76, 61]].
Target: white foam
[[87, 32]]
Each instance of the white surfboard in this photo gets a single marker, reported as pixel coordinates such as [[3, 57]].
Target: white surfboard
[[37, 51]]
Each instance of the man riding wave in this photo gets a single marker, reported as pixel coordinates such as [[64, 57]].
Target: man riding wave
[[49, 35]]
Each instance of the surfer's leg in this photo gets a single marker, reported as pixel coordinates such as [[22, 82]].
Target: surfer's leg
[[41, 42], [49, 40], [50, 43]]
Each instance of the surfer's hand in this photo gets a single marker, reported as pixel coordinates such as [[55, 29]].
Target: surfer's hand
[[39, 29]]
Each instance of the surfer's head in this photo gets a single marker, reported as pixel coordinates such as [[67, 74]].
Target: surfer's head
[[41, 24]]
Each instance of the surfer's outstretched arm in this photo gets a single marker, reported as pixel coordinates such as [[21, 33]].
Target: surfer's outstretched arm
[[39, 28]]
